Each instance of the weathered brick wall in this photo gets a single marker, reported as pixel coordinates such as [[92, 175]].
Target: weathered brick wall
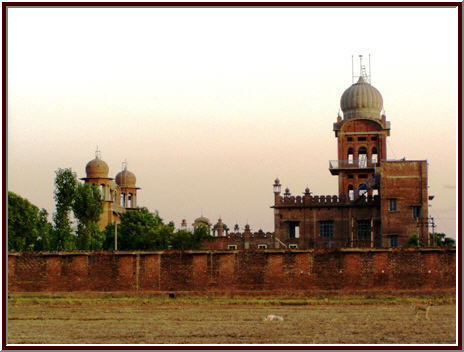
[[347, 269]]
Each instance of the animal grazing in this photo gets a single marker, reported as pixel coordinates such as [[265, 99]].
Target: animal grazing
[[272, 317]]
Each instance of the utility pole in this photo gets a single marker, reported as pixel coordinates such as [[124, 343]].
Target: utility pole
[[115, 236]]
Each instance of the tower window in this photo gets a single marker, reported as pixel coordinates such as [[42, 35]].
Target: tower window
[[350, 156], [374, 155], [351, 192], [326, 229], [362, 157], [393, 205]]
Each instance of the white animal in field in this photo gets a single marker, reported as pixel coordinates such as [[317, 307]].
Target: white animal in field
[[272, 317]]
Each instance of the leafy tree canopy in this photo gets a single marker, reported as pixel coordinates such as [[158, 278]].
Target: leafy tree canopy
[[143, 230], [28, 227]]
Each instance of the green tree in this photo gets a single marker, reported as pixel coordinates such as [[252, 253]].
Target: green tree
[[183, 239], [441, 240], [28, 227], [140, 229], [87, 208], [412, 242], [65, 190]]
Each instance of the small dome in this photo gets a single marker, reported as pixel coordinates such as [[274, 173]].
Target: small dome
[[202, 220], [361, 100], [125, 178], [96, 168]]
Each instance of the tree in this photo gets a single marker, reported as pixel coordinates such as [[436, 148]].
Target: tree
[[183, 239], [436, 239], [65, 190], [87, 208], [441, 240], [28, 227], [140, 229], [412, 242]]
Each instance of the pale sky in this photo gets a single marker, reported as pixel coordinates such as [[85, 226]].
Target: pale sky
[[210, 105]]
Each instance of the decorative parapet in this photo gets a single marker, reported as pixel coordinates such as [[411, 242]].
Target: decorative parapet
[[329, 200]]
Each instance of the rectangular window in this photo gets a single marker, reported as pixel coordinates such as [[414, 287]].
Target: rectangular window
[[350, 176], [292, 246], [232, 246], [394, 241], [350, 139], [364, 229], [362, 176], [262, 246], [293, 229], [393, 205], [416, 212], [362, 138], [326, 228]]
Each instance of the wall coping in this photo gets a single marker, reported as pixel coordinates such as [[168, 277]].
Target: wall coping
[[267, 251]]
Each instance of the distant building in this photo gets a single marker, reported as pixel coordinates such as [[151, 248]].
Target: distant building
[[117, 197]]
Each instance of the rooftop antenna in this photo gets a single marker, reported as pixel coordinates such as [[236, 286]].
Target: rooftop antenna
[[370, 76], [97, 153], [352, 70], [362, 70]]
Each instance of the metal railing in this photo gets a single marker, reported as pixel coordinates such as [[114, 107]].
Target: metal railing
[[352, 164]]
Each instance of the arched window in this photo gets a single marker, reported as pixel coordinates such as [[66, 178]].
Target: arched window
[[374, 157], [351, 192], [102, 190], [362, 189], [350, 156], [129, 200], [362, 157], [122, 202]]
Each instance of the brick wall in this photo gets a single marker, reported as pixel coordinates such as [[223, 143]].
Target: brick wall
[[346, 269]]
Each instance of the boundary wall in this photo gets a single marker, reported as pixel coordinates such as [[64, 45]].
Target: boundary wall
[[225, 271]]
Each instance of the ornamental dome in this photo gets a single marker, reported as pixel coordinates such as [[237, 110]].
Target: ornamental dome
[[125, 178], [201, 221], [361, 100], [96, 168]]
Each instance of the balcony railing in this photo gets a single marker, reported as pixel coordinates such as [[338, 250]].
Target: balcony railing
[[352, 164]]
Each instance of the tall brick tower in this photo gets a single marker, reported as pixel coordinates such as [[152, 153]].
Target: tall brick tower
[[361, 135]]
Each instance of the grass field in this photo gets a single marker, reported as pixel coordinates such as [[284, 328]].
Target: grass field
[[227, 320]]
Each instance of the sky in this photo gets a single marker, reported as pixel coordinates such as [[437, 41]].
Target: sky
[[209, 105]]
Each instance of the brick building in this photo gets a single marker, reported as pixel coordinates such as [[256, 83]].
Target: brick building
[[380, 202]]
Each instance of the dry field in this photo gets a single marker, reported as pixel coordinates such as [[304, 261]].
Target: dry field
[[239, 320]]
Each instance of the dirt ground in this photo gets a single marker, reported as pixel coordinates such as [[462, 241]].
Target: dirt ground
[[202, 320]]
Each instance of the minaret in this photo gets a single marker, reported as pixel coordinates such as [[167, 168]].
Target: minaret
[[126, 181], [361, 137], [97, 173]]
